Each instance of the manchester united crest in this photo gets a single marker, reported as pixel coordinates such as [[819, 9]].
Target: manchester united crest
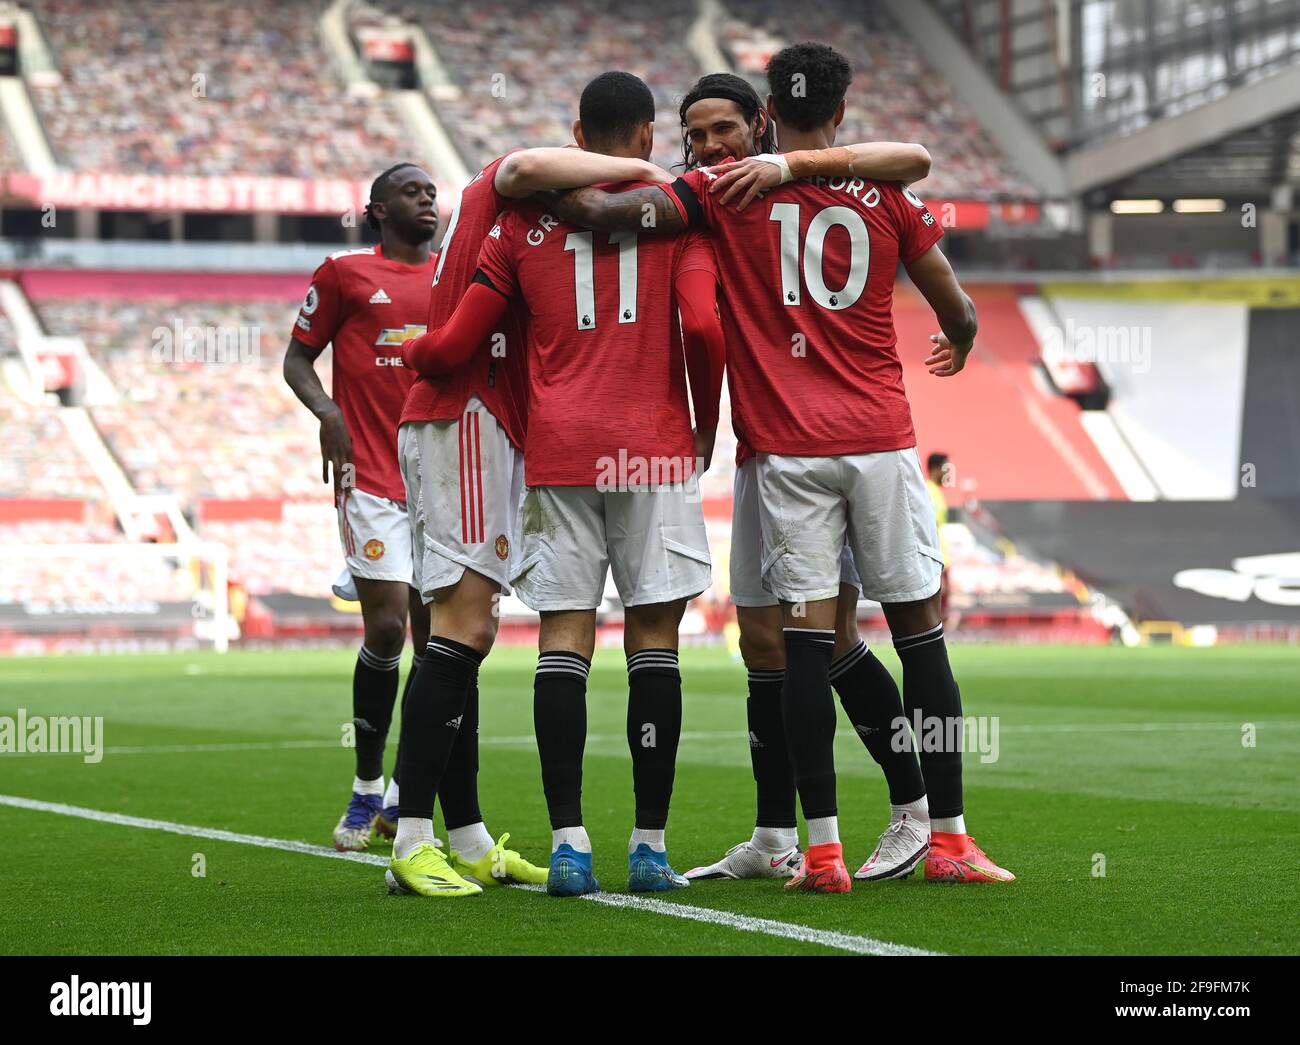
[[374, 549], [503, 547]]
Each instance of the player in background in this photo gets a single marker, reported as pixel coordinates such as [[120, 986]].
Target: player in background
[[460, 445], [367, 302], [937, 468], [810, 276], [723, 118], [611, 463]]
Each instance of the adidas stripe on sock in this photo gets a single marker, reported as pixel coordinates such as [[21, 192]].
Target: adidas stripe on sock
[[374, 689]]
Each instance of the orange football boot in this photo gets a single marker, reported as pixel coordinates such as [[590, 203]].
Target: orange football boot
[[823, 870], [956, 858]]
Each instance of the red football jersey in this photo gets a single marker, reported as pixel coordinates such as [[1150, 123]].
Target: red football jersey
[[809, 281], [368, 305], [498, 372], [608, 392]]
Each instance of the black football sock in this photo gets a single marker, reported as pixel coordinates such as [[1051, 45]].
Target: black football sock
[[870, 698], [560, 722], [374, 689], [416, 660], [434, 708], [808, 710], [930, 690], [768, 751], [458, 792], [654, 728]]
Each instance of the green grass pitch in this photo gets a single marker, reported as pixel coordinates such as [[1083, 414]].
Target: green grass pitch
[[1131, 756]]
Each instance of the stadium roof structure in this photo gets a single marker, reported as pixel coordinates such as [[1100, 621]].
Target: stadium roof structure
[[1244, 143], [1149, 98]]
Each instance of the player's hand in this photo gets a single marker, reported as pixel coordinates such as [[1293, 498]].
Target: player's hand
[[946, 359], [704, 440], [656, 175], [743, 180], [335, 448]]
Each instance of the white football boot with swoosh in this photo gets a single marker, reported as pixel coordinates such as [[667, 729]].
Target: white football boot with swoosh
[[747, 860]]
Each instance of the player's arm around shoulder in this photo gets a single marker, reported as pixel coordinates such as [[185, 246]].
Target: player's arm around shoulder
[[646, 208], [742, 181], [522, 173]]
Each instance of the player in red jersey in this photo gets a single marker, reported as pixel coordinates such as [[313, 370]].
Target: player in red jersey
[[810, 276], [611, 466], [722, 116], [460, 445], [367, 302]]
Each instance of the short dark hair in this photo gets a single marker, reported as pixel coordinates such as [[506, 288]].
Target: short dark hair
[[733, 88], [381, 188], [935, 460], [808, 81], [614, 105]]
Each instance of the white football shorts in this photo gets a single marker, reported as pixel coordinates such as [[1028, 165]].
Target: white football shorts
[[376, 536], [747, 545], [878, 503], [463, 481], [653, 540]]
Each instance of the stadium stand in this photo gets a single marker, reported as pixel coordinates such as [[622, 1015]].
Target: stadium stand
[[8, 338], [129, 99], [1178, 400], [227, 439], [1009, 435], [55, 578], [39, 460], [517, 87], [240, 455], [967, 165], [296, 553], [10, 160], [196, 429]]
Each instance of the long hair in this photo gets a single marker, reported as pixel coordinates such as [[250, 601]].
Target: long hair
[[735, 89]]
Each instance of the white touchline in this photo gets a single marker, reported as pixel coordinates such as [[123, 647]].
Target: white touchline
[[743, 923], [122, 820], [766, 926]]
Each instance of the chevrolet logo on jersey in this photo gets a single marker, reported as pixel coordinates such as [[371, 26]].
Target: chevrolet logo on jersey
[[396, 335]]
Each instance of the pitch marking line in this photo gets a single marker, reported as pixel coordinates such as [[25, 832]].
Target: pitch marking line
[[743, 923]]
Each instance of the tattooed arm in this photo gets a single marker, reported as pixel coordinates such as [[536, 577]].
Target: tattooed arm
[[647, 209]]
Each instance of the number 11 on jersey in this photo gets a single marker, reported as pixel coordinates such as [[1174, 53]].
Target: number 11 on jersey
[[584, 276]]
